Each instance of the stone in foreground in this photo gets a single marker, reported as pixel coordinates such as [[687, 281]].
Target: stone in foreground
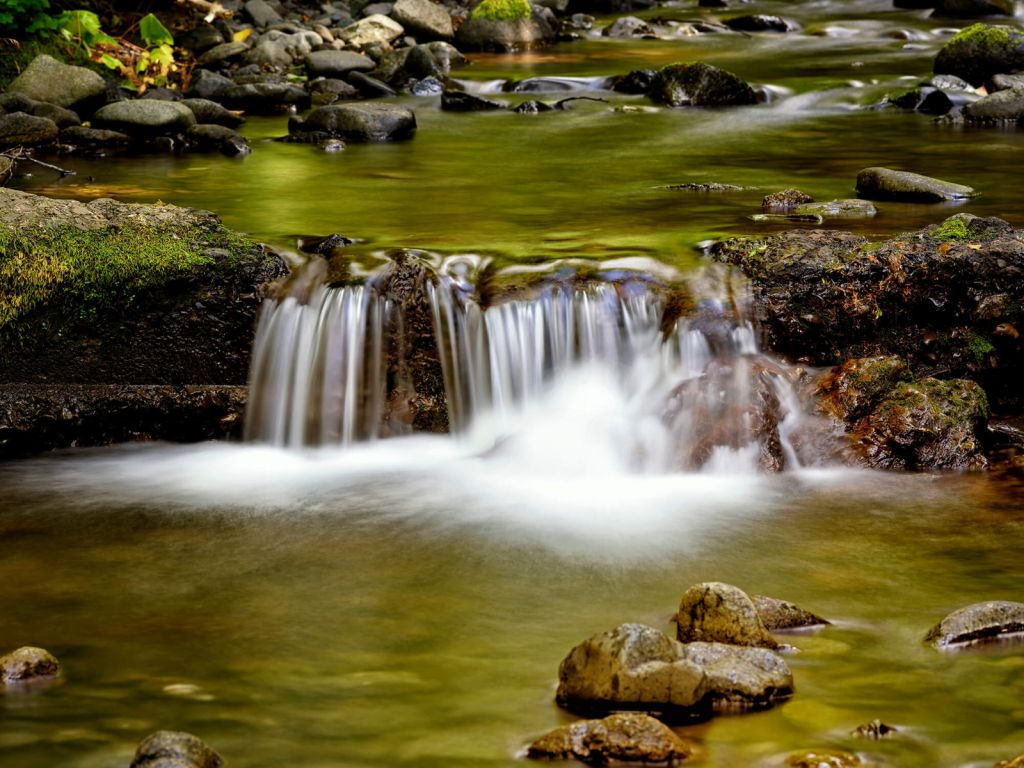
[[625, 737], [28, 664], [359, 122], [720, 613], [175, 749], [888, 184], [978, 623]]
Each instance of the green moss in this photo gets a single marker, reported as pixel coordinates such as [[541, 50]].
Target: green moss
[[502, 10], [953, 228], [983, 36], [87, 270], [979, 348]]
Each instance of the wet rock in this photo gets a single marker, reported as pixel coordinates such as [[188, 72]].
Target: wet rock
[[838, 209], [972, 9], [373, 30], [788, 218], [779, 615], [265, 98], [628, 26], [928, 424], [278, 50], [924, 99], [42, 417], [980, 51], [145, 118], [222, 53], [18, 128], [370, 87], [980, 622], [855, 388], [720, 613], [704, 186], [199, 39], [699, 85], [175, 749], [212, 113], [761, 23], [533, 107], [6, 169], [424, 19], [460, 101], [217, 138], [622, 737], [506, 26], [740, 678], [208, 85], [876, 730], [359, 122], [818, 758], [1005, 106], [52, 81], [1003, 82], [786, 200], [337, 64], [329, 90], [428, 86], [888, 184], [1016, 762], [636, 82], [27, 664], [81, 137], [262, 13], [18, 102]]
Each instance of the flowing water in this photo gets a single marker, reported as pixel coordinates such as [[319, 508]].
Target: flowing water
[[407, 601]]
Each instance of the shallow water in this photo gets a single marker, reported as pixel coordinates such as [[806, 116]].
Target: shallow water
[[408, 603]]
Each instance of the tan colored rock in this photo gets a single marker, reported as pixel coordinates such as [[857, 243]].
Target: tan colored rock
[[626, 737], [780, 615], [714, 612], [27, 664]]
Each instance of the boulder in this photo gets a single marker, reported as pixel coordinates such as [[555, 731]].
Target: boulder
[[175, 749], [27, 665], [199, 39], [210, 112], [217, 138], [370, 87], [424, 19], [854, 389], [365, 122], [978, 623], [761, 23], [740, 678], [373, 30], [888, 184], [699, 85], [506, 26], [1006, 106], [20, 129], [52, 81], [981, 51], [972, 9], [329, 90], [720, 613], [780, 616], [1003, 82], [145, 117], [460, 101], [337, 64], [622, 737]]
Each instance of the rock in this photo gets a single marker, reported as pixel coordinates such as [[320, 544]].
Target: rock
[[980, 51], [855, 388], [1005, 106], [927, 100], [720, 613], [176, 749], [93, 139], [459, 101], [329, 90], [418, 62], [112, 293], [818, 758], [17, 129], [1016, 762], [208, 85], [838, 209], [27, 664], [373, 30], [977, 623], [6, 169], [378, 9], [625, 737], [532, 107], [628, 26], [265, 98], [49, 80], [604, 7], [63, 118], [779, 615], [359, 122], [740, 678], [1004, 82], [337, 64], [425, 19], [278, 50], [506, 26], [761, 23], [428, 86], [971, 9], [262, 13], [222, 53], [699, 85], [210, 112], [145, 118], [160, 93], [887, 184], [704, 186], [370, 87], [786, 200], [199, 39], [928, 424], [876, 730], [217, 138]]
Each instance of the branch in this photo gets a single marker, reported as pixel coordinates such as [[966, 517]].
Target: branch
[[19, 153], [212, 9]]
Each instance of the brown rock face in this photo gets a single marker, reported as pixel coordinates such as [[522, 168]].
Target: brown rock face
[[720, 613]]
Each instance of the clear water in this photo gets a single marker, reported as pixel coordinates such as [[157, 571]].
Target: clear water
[[408, 603]]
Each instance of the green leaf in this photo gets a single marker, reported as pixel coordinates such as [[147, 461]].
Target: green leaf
[[153, 32], [110, 62], [162, 56]]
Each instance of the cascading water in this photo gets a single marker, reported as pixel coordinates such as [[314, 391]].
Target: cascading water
[[584, 374]]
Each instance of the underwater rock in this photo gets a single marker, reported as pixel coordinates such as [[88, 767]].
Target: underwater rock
[[622, 737], [628, 26], [720, 613], [175, 749], [924, 99], [779, 615], [211, 113], [838, 209], [696, 84], [26, 665], [217, 138], [887, 184], [977, 623], [981, 51]]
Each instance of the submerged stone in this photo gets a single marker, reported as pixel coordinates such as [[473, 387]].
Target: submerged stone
[[698, 84], [28, 664], [887, 184], [175, 749], [622, 737], [838, 209], [720, 613], [980, 622]]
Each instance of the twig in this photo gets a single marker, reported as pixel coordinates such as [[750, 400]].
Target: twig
[[19, 153]]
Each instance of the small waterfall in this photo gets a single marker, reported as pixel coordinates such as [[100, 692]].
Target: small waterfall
[[617, 373]]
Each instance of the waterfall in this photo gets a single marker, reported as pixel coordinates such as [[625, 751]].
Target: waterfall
[[593, 372]]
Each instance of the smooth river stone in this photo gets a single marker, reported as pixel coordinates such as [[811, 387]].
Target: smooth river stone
[[887, 184], [978, 622]]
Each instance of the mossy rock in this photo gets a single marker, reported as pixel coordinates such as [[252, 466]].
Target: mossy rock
[[506, 26], [696, 84], [981, 51], [502, 10]]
